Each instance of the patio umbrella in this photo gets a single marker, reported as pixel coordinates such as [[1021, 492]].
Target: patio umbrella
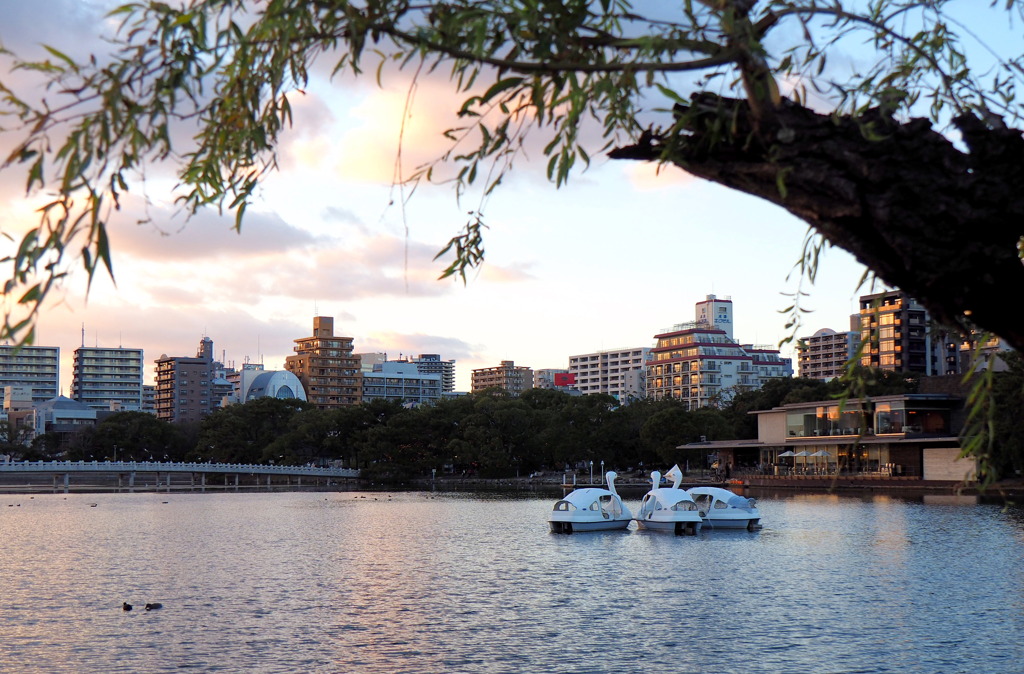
[[820, 453], [803, 454], [785, 454]]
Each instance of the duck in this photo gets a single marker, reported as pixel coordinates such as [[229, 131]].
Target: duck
[[154, 606], [125, 606]]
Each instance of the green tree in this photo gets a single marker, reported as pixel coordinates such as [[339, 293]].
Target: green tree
[[696, 84], [14, 440], [244, 433], [674, 426], [139, 437], [999, 438]]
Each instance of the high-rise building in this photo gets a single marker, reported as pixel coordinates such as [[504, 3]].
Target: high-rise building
[[608, 371], [185, 386], [149, 398], [326, 366], [893, 328], [107, 378], [36, 367], [823, 355], [403, 381], [553, 379], [983, 347], [431, 363], [507, 376], [700, 364]]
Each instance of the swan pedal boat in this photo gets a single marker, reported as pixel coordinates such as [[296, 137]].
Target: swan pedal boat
[[723, 509], [590, 509], [669, 508]]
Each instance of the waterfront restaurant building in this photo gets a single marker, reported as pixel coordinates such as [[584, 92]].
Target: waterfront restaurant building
[[911, 437]]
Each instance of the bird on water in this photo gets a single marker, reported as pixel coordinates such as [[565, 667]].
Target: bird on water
[[125, 606], [154, 606]]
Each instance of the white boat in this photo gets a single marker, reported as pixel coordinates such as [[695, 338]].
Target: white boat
[[669, 508], [723, 509], [590, 509]]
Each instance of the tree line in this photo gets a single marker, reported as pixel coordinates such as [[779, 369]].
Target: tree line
[[489, 434]]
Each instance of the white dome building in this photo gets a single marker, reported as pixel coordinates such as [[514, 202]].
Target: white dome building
[[270, 384]]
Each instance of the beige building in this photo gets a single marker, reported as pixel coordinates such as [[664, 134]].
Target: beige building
[[701, 364], [823, 355], [507, 376], [612, 372], [326, 366]]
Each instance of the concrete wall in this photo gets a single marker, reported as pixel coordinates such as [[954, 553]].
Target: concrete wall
[[771, 428], [941, 463]]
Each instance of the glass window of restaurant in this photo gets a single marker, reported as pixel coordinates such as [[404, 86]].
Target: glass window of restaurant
[[889, 417], [922, 418], [863, 458], [825, 420]]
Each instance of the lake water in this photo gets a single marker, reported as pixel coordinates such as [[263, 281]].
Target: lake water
[[421, 582]]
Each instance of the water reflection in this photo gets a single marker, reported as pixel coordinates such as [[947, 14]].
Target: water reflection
[[438, 582]]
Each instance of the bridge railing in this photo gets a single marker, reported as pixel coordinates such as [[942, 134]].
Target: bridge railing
[[171, 467]]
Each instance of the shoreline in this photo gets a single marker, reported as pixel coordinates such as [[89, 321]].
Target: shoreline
[[545, 484]]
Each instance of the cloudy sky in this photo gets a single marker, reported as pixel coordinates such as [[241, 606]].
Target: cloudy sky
[[618, 255]]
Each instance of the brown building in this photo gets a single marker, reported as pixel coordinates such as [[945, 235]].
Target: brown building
[[894, 329], [506, 376], [325, 365], [185, 386]]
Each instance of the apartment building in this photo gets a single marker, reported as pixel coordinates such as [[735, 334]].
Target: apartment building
[[823, 355], [432, 363], [507, 376], [35, 367], [700, 364], [185, 386], [401, 381], [894, 330], [553, 379], [108, 378], [611, 372], [324, 363]]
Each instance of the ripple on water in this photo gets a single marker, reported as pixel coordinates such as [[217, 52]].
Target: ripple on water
[[329, 583]]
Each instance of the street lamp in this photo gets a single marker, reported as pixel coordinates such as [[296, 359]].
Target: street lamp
[[591, 472], [602, 467]]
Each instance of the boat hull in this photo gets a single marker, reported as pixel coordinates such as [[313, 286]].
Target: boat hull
[[748, 523], [677, 527], [573, 526]]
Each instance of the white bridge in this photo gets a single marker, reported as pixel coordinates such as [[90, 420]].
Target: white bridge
[[161, 472]]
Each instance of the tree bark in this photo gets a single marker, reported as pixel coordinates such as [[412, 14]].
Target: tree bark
[[934, 220]]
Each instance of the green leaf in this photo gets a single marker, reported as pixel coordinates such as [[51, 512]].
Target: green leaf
[[63, 57], [500, 86]]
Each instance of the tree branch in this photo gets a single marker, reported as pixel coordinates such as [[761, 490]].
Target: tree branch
[[938, 223]]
